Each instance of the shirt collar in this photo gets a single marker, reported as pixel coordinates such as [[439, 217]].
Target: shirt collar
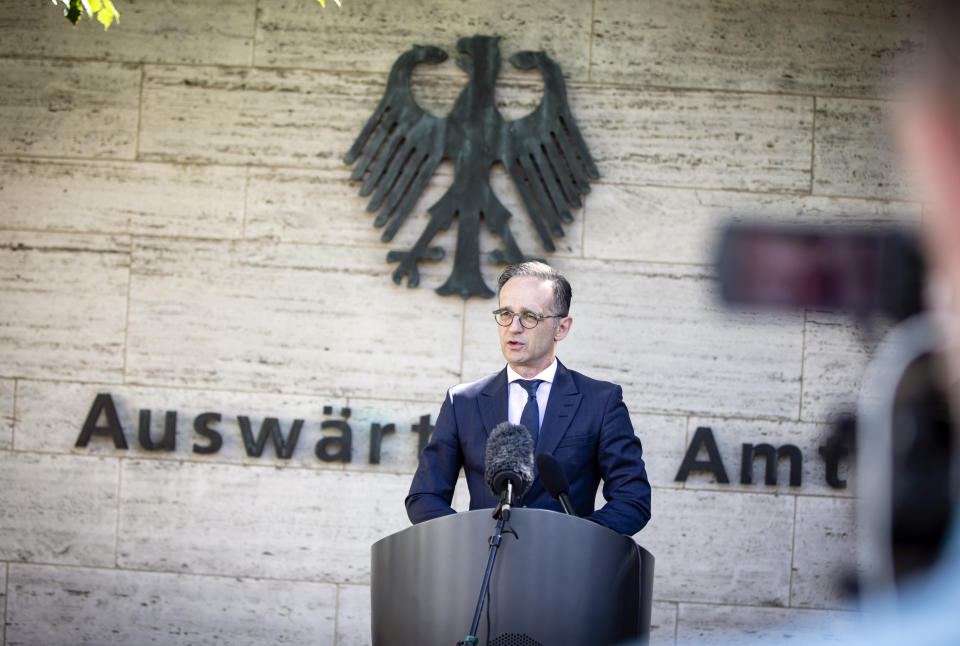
[[547, 374]]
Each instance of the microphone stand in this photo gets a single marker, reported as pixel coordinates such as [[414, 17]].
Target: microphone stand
[[502, 514]]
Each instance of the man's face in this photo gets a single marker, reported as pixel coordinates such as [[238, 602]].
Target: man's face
[[530, 351]]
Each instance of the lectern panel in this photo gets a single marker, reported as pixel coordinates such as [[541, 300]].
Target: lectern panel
[[557, 580]]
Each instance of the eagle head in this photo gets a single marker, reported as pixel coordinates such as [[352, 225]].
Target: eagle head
[[526, 60], [429, 54]]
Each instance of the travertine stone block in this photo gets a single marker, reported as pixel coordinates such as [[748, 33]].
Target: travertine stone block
[[854, 150], [73, 108], [312, 206], [53, 416], [371, 36], [322, 207], [656, 224], [57, 605], [58, 509], [304, 524], [853, 48], [265, 117], [7, 419], [742, 542], [696, 139], [837, 351], [663, 623], [63, 304], [135, 198], [318, 206], [663, 445], [219, 33], [353, 615], [253, 116], [708, 624], [400, 447], [287, 318], [731, 434], [824, 555], [660, 332]]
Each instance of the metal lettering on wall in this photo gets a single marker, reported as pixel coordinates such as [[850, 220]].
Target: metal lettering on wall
[[336, 445], [833, 452], [401, 146]]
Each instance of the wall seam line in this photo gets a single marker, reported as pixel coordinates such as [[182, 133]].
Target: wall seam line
[[813, 143], [126, 315], [793, 552], [336, 616], [463, 336], [803, 362], [246, 204], [253, 36], [6, 600], [13, 420], [143, 82], [676, 623], [116, 530], [593, 16]]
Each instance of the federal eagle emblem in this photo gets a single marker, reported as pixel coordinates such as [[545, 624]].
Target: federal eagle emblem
[[402, 144]]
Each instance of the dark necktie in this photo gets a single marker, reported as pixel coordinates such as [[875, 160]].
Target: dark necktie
[[530, 417]]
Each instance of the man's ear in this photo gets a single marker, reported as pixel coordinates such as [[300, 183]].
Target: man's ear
[[563, 328]]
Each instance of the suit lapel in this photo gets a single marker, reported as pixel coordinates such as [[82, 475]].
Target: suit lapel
[[493, 401], [561, 407]]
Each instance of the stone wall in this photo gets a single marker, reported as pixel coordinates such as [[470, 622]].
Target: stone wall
[[177, 230]]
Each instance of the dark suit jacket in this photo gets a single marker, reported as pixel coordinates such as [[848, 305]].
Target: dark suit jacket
[[586, 426]]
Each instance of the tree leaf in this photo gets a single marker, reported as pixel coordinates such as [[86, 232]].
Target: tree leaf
[[73, 11], [107, 13]]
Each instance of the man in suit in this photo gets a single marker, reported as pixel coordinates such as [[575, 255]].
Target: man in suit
[[581, 421]]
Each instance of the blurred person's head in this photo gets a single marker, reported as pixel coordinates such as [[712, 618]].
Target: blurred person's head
[[929, 125]]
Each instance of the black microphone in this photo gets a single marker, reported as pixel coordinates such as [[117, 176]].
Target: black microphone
[[554, 480], [509, 463]]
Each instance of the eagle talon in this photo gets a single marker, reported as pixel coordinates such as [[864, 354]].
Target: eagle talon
[[411, 271], [408, 263]]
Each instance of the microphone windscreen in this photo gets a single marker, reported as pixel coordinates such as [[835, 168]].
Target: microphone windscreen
[[552, 476], [509, 456]]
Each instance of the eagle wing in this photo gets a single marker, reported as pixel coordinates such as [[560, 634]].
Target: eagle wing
[[400, 146], [546, 155]]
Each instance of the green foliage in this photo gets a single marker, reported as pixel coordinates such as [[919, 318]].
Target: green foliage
[[104, 11]]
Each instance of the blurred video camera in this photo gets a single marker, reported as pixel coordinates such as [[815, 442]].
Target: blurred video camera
[[901, 429]]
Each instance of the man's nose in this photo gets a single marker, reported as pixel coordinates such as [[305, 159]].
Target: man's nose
[[515, 325]]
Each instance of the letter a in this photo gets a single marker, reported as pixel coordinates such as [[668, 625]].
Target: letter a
[[103, 404], [703, 438]]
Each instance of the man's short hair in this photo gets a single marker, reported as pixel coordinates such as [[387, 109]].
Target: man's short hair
[[562, 292]]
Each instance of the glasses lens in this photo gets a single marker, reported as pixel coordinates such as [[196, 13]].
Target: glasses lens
[[503, 317], [529, 320]]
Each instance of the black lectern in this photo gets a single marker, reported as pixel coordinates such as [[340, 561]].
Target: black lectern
[[559, 580]]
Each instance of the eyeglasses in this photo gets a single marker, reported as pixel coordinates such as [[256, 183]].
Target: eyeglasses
[[527, 319]]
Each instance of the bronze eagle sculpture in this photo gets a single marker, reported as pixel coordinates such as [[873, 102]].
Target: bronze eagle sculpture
[[402, 144]]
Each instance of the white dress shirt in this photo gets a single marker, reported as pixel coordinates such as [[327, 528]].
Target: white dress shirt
[[517, 395]]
